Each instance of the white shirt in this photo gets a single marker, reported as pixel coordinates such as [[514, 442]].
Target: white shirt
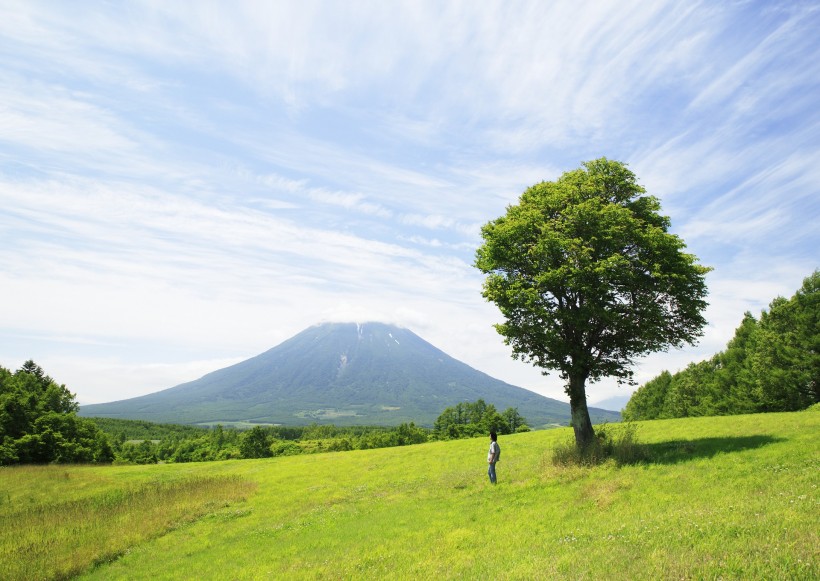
[[492, 454]]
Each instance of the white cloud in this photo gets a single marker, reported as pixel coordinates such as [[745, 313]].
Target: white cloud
[[50, 118], [111, 379], [198, 182]]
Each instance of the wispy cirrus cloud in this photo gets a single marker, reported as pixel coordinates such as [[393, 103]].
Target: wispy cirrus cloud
[[205, 180], [43, 120]]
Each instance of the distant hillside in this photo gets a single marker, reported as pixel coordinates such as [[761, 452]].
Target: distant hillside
[[341, 373], [614, 403]]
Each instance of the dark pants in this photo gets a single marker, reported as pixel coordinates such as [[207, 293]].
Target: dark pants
[[491, 472]]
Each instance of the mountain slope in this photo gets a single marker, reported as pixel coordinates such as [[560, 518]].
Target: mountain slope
[[614, 403], [344, 373]]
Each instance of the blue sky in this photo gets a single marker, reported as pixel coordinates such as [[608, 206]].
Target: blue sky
[[187, 184]]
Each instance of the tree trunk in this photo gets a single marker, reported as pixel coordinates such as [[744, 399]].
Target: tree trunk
[[579, 411]]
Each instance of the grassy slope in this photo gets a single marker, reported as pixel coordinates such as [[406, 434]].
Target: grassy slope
[[729, 497]]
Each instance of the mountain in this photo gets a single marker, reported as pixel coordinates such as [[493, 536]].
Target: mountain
[[614, 403], [342, 373]]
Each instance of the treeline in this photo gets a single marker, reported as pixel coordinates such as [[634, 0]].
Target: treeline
[[469, 419], [39, 422], [170, 443], [771, 364], [145, 430]]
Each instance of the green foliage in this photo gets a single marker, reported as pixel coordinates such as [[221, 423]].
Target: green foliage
[[469, 419], [326, 438], [39, 423], [588, 277], [513, 421], [285, 448], [153, 443], [647, 401], [144, 452], [771, 364], [255, 443], [143, 430], [786, 360]]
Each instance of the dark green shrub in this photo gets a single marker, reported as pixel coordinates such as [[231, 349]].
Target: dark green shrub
[[285, 448]]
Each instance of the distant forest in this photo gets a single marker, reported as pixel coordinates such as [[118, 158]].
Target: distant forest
[[772, 364], [141, 442]]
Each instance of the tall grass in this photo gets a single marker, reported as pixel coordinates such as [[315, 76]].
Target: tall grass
[[611, 442], [57, 540]]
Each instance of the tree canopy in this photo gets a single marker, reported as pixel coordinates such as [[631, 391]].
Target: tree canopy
[[39, 423], [588, 277], [468, 419], [771, 364]]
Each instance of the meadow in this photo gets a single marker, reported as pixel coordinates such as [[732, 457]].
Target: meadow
[[721, 498]]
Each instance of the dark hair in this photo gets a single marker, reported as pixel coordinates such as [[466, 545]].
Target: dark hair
[[493, 436]]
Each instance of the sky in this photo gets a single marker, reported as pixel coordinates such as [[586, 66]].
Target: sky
[[184, 185]]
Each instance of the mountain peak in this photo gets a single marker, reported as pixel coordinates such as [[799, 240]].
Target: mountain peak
[[343, 373]]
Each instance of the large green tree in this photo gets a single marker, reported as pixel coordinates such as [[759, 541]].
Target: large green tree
[[39, 423], [588, 277], [786, 360]]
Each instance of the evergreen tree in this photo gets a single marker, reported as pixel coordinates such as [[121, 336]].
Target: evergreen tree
[[39, 422], [468, 419], [255, 443], [786, 358], [648, 400], [771, 364], [735, 374]]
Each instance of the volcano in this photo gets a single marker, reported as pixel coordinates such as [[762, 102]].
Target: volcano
[[340, 373]]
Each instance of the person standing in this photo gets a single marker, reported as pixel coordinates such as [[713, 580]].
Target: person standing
[[493, 455]]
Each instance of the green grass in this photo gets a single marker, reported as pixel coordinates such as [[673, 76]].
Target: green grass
[[56, 538], [731, 497]]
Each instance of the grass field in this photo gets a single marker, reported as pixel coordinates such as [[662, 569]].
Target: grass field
[[731, 498]]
